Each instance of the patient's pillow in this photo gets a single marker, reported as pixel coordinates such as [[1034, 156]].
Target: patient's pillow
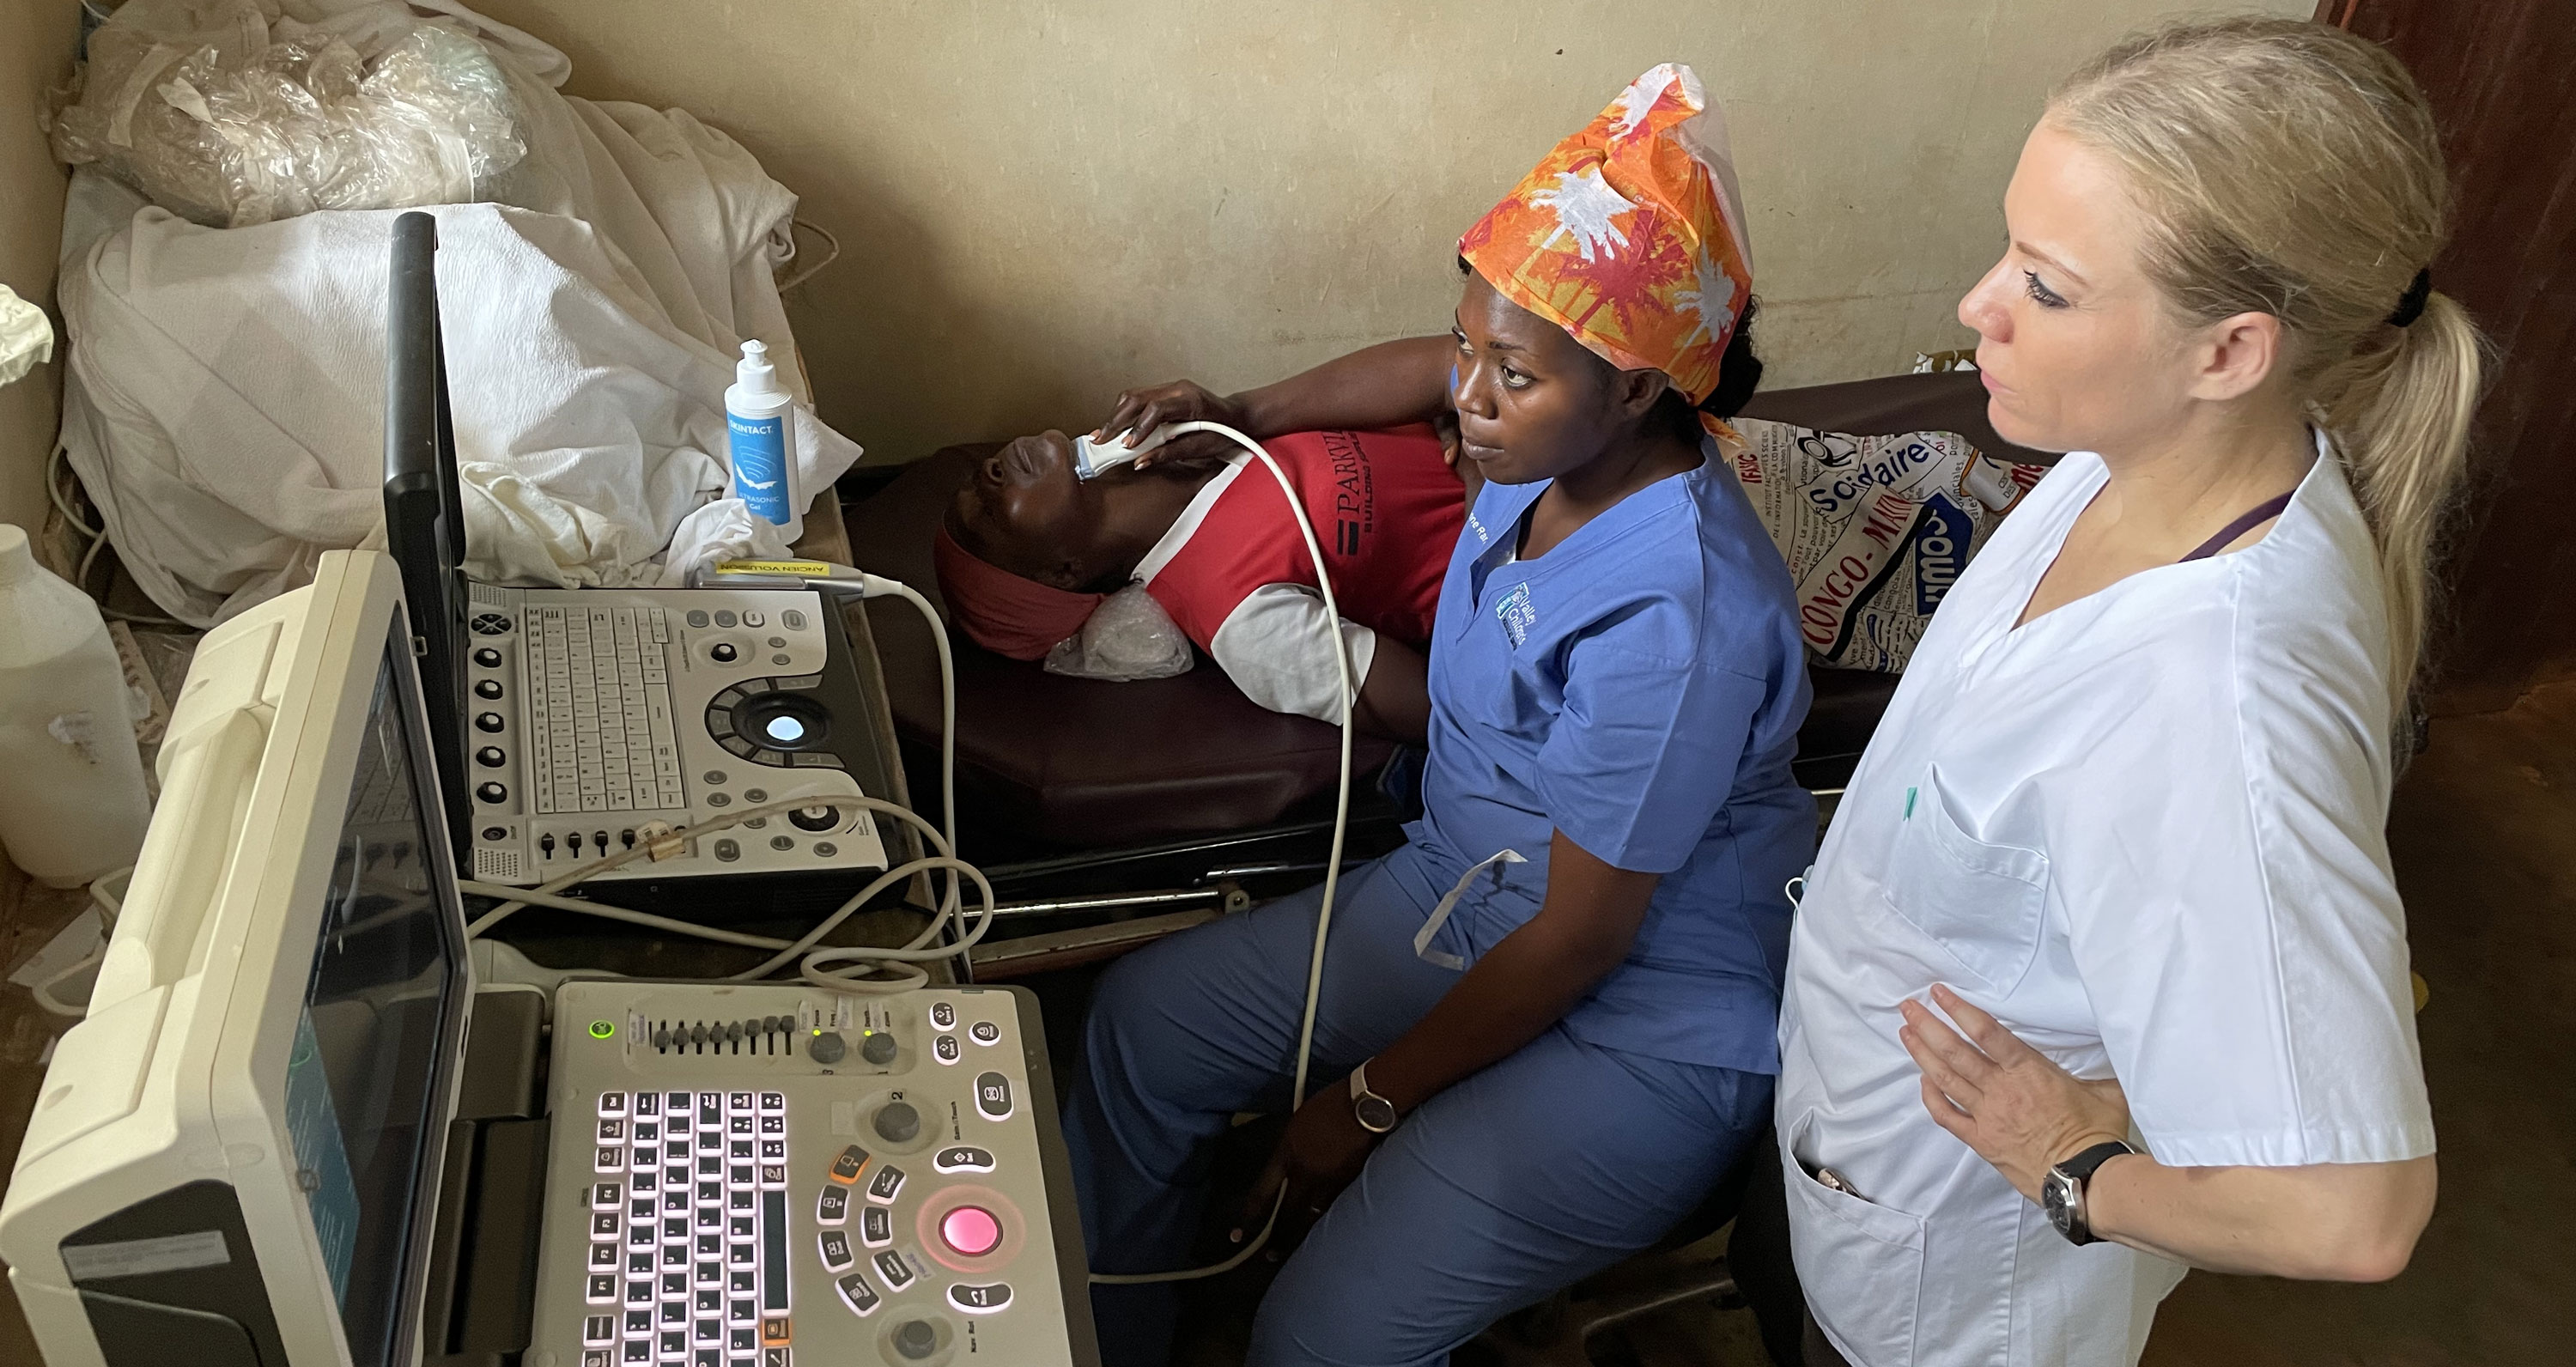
[[1875, 529]]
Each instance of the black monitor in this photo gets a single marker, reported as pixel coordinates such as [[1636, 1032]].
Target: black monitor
[[424, 521]]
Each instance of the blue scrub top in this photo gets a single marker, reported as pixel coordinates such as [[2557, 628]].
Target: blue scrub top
[[1640, 688]]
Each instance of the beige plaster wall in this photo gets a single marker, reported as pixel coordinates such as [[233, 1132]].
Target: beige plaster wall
[[1043, 201], [36, 39], [1046, 200]]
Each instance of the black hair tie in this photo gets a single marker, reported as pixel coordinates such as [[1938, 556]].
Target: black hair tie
[[2410, 305]]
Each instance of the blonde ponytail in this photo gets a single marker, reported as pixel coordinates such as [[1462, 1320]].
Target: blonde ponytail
[[2293, 169], [2400, 415]]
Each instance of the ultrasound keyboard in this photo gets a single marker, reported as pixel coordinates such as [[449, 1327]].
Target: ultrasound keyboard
[[747, 1176], [600, 734], [601, 720], [688, 1228]]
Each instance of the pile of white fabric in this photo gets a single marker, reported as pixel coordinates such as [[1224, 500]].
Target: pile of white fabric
[[224, 400]]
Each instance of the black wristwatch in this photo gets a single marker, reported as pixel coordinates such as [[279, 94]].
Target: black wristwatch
[[1376, 1114], [2061, 1193]]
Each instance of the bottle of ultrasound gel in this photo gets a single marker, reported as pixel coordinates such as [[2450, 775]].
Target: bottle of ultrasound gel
[[760, 418]]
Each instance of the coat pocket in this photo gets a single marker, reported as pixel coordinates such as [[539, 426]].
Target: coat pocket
[[1860, 1263], [1982, 902]]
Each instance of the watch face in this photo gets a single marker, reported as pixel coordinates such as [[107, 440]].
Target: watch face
[[2052, 1198], [1377, 1114]]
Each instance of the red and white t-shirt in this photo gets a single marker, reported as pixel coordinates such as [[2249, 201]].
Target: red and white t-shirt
[[1234, 574]]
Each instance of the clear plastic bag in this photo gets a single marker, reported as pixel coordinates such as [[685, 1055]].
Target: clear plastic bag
[[231, 114], [1129, 637]]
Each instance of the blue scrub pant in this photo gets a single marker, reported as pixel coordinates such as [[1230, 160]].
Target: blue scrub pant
[[1528, 1176]]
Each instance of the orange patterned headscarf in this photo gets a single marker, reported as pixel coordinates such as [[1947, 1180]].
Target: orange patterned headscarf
[[1630, 234]]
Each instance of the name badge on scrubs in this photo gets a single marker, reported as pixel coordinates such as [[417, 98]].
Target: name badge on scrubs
[[1517, 615]]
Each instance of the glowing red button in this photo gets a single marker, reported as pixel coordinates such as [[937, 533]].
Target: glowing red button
[[971, 1230]]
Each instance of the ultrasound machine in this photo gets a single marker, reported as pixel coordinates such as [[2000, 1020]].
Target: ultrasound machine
[[580, 722], [293, 1130]]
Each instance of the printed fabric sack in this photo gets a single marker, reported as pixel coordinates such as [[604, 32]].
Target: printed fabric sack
[[1875, 529]]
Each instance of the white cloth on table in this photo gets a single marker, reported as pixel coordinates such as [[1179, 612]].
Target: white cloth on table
[[224, 401], [26, 336]]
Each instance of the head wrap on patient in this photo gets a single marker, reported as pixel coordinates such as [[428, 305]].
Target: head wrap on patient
[[1630, 235], [1006, 613]]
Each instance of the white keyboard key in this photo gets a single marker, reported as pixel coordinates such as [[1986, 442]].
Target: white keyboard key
[[857, 1294], [886, 1185], [962, 1158]]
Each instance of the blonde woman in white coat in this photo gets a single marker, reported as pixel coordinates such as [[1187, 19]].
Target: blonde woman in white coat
[[2101, 973]]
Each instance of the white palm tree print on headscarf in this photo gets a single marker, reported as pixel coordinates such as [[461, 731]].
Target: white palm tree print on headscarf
[[1640, 96], [1588, 208], [1713, 302]]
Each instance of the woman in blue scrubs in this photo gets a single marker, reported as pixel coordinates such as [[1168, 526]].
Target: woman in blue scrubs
[[1541, 1081]]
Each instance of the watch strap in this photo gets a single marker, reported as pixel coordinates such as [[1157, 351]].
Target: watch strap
[[1361, 1096], [2081, 1166], [2072, 1213]]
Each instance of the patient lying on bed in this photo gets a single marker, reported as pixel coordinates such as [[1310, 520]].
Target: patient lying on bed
[[1028, 550]]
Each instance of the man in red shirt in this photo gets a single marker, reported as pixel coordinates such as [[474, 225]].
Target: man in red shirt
[[1028, 550]]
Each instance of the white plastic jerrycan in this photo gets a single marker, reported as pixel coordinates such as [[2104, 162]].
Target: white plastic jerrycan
[[72, 802]]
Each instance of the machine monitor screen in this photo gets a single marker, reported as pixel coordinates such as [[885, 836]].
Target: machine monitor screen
[[364, 1085]]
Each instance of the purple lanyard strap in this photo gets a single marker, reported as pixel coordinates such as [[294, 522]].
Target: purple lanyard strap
[[2261, 513]]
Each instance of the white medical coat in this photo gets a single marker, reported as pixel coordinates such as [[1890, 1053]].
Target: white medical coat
[[2145, 831]]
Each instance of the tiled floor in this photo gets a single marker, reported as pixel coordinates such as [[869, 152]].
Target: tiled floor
[[2485, 839]]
